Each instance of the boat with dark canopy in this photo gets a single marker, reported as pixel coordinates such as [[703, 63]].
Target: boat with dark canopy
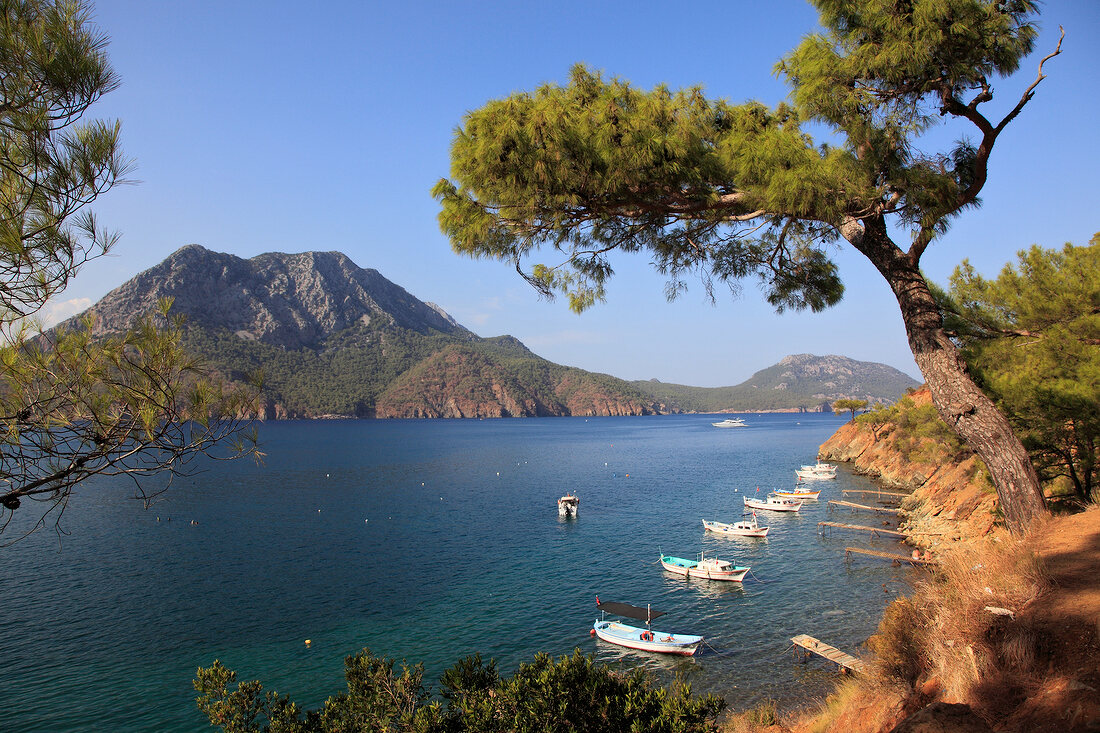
[[635, 637]]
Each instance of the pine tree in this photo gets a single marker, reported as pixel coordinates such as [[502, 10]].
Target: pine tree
[[72, 407], [1031, 334], [727, 192]]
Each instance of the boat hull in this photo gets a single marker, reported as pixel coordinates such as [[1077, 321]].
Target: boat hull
[[729, 529], [673, 565], [662, 642]]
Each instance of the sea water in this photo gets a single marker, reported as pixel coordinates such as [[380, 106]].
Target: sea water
[[428, 541]]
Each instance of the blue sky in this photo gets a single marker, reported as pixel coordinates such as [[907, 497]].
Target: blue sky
[[287, 127]]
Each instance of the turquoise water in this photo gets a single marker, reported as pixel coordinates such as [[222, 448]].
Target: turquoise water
[[428, 541]]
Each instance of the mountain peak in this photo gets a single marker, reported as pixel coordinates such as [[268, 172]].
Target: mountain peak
[[287, 300]]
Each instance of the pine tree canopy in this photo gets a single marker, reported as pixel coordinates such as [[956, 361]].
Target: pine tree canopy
[[1032, 335], [73, 407], [53, 161], [724, 191]]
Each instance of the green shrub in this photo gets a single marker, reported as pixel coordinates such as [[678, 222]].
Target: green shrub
[[570, 694]]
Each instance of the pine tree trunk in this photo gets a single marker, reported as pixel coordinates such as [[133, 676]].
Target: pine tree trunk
[[959, 401]]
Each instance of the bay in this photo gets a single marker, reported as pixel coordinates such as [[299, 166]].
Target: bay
[[428, 541]]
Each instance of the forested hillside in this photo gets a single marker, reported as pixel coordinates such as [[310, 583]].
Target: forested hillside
[[802, 382], [328, 338]]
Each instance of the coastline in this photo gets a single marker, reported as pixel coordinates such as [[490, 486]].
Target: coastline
[[1004, 634]]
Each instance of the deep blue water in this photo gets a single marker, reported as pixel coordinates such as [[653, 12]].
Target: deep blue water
[[427, 541]]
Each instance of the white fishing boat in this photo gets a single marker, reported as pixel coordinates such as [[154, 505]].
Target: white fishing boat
[[797, 493], [709, 568], [809, 474], [568, 505], [816, 471], [749, 528], [635, 637], [774, 503], [730, 422]]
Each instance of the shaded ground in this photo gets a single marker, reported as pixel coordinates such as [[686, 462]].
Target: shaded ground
[[1067, 622]]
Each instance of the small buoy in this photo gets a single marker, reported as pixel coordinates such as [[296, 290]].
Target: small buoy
[[628, 475], [441, 498], [366, 520], [318, 511], [421, 483], [591, 632], [498, 473], [309, 641], [326, 475]]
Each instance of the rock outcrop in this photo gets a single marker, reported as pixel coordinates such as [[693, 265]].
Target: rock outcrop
[[463, 382], [951, 495]]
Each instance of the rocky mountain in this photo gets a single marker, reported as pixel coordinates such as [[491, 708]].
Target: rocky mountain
[[801, 382], [290, 301], [334, 339]]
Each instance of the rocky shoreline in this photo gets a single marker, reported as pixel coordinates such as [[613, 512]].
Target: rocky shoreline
[[949, 500]]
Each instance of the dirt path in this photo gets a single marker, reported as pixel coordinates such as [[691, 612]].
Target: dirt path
[[1067, 621]]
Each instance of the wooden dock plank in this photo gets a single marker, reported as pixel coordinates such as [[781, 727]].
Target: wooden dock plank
[[873, 530], [853, 505], [874, 491], [887, 556], [810, 644]]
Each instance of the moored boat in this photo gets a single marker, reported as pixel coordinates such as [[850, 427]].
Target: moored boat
[[709, 568], [568, 505], [774, 503], [797, 493], [634, 637], [817, 471], [748, 528]]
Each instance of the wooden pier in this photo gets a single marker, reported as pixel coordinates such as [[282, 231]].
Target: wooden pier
[[853, 505], [872, 530], [842, 659], [887, 556], [876, 492]]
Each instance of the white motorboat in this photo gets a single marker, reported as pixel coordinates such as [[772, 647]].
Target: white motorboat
[[730, 422], [774, 503], [748, 528], [568, 505]]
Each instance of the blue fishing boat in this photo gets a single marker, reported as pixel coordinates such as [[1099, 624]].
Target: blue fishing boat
[[709, 568], [635, 637]]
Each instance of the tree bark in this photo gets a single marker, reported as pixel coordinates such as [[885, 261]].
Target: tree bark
[[959, 401]]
